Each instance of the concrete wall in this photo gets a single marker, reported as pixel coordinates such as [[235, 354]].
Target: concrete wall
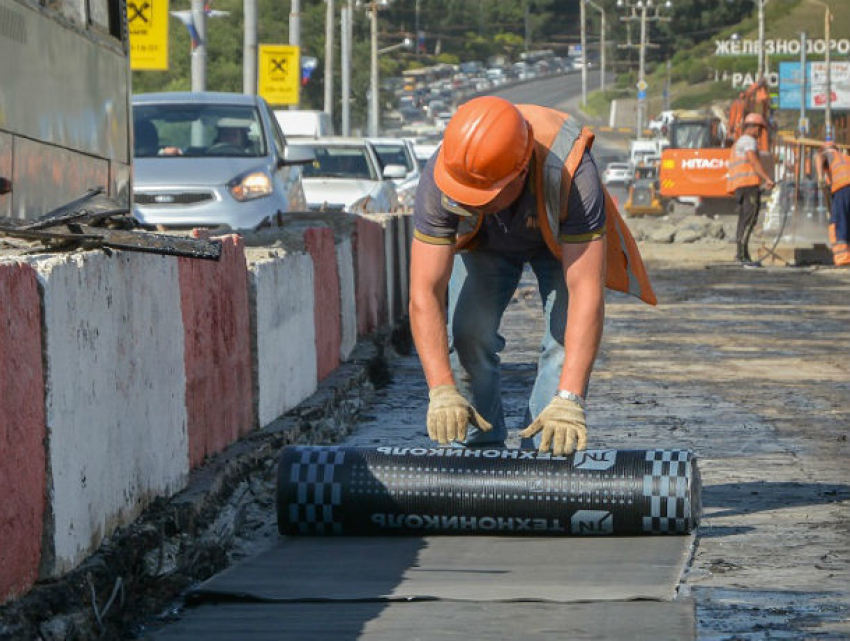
[[370, 278], [116, 407], [284, 331], [123, 372], [320, 244], [22, 455], [348, 306], [217, 338]]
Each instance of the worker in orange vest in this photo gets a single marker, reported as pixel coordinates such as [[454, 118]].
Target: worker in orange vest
[[745, 176], [510, 186], [834, 168]]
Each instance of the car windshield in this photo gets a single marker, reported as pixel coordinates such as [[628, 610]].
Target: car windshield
[[390, 154], [340, 161], [193, 130]]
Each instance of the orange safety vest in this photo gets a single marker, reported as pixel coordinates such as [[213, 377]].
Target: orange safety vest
[[741, 173], [559, 144], [839, 169], [840, 250]]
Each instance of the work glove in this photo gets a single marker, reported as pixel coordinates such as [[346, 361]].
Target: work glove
[[449, 415], [563, 425]]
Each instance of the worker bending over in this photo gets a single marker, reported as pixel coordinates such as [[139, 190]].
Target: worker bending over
[[835, 167], [513, 185], [744, 179]]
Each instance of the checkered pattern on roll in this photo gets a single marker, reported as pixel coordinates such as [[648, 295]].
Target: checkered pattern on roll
[[666, 485], [316, 491]]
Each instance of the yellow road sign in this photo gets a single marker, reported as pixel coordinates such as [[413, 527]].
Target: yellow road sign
[[279, 71], [147, 22]]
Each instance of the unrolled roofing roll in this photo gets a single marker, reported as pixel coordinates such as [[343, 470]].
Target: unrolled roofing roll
[[424, 490]]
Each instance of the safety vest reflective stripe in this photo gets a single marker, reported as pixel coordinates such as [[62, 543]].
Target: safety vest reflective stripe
[[553, 169], [741, 172], [839, 169]]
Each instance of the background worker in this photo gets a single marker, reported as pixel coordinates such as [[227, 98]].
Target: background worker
[[513, 185], [746, 174], [834, 166]]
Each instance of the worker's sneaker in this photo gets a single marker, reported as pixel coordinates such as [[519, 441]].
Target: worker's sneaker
[[750, 264]]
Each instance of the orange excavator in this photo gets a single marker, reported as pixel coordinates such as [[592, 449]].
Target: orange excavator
[[693, 167]]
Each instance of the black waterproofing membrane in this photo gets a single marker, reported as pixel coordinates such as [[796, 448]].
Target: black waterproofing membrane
[[435, 620], [425, 491]]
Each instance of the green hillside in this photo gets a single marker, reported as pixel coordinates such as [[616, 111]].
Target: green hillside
[[693, 70]]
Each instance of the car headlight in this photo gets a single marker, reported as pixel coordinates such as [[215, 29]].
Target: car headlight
[[256, 184]]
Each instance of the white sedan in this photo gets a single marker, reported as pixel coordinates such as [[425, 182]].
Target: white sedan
[[346, 176], [399, 151]]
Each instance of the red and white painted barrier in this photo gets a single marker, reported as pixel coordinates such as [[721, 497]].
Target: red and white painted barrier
[[22, 454], [326, 308], [124, 372], [116, 395], [217, 339]]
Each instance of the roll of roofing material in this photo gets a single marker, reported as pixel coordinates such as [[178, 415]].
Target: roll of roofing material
[[423, 490]]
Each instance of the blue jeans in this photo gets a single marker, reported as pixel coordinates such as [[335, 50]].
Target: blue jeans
[[480, 289]]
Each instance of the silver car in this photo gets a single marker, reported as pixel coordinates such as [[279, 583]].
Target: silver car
[[212, 160], [347, 176]]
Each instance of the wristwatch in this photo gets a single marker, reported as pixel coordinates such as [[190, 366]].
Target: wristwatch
[[575, 398]]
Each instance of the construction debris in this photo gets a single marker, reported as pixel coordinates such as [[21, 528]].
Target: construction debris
[[95, 221]]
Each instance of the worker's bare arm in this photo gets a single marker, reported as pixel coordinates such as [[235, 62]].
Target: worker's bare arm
[[584, 272], [755, 162], [430, 269]]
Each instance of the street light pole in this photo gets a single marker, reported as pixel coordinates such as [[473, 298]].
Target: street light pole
[[760, 71], [828, 107], [295, 33], [643, 5], [249, 49], [641, 70], [199, 53], [602, 44], [827, 114], [329, 58], [345, 53], [583, 54], [374, 98]]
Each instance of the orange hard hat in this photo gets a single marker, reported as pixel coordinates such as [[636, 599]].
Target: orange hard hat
[[755, 119], [486, 145], [829, 143]]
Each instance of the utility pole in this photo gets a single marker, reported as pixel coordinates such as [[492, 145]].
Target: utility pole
[[416, 28], [345, 55], [583, 53], [642, 5], [294, 32], [804, 129], [761, 70], [602, 43], [527, 20], [642, 73], [249, 49], [828, 108], [329, 58], [199, 53], [374, 97]]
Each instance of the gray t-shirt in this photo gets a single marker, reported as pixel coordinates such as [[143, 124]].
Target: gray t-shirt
[[516, 228], [744, 144]]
